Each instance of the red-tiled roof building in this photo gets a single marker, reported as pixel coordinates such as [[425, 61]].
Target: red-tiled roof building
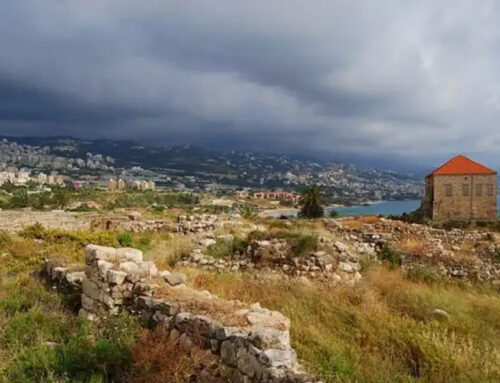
[[461, 189]]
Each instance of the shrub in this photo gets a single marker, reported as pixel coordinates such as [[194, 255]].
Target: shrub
[[5, 239], [220, 249], [36, 231], [300, 244], [248, 212], [304, 244], [333, 214], [125, 239], [20, 199], [392, 256]]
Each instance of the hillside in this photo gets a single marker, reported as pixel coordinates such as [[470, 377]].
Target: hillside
[[369, 300], [195, 167]]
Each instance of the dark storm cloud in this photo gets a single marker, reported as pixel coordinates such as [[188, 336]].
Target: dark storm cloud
[[374, 78]]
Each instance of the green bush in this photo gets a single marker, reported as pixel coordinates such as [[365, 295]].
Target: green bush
[[220, 249], [19, 199], [300, 244], [248, 212], [125, 239], [392, 256], [333, 214], [36, 231], [304, 244]]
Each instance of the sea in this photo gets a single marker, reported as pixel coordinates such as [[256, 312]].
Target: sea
[[376, 208]]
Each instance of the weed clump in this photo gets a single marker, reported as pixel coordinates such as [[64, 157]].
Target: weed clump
[[393, 257]]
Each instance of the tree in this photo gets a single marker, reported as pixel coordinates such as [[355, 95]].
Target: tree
[[20, 198], [248, 212], [39, 201], [333, 214], [310, 202], [61, 198]]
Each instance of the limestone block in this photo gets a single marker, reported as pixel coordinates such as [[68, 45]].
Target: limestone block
[[116, 277], [96, 252], [90, 289], [265, 338], [103, 267], [75, 278], [277, 358], [129, 254], [228, 353], [175, 279]]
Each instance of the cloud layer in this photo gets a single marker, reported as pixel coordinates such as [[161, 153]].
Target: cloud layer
[[418, 80]]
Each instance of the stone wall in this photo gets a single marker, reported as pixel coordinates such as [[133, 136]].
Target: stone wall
[[251, 341], [333, 261], [132, 222], [197, 223], [16, 220], [200, 223], [457, 254], [477, 204]]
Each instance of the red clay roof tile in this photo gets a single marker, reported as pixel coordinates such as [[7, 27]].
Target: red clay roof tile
[[462, 165]]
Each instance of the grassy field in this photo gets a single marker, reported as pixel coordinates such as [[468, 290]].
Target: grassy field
[[382, 330]]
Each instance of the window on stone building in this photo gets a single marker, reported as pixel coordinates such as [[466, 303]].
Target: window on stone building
[[479, 190], [465, 190], [491, 189], [448, 191]]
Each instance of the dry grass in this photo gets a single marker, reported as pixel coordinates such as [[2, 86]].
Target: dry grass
[[160, 359], [412, 246], [168, 251], [357, 223], [384, 330]]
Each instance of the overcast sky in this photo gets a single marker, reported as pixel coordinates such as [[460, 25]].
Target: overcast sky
[[414, 80]]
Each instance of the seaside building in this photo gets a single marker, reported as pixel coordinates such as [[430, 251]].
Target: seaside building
[[460, 190]]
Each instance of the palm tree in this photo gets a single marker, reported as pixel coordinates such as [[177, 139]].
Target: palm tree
[[61, 198], [248, 212], [310, 202]]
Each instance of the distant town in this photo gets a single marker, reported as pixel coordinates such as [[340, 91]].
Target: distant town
[[119, 165]]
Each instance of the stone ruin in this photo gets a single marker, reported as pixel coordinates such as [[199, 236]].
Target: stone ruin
[[132, 222], [197, 223], [471, 255], [202, 223], [333, 261], [253, 343]]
